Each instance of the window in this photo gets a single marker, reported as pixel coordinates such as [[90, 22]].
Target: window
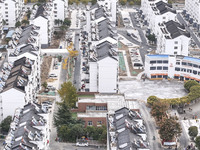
[[6, 19], [55, 12], [6, 4], [153, 77], [183, 69], [189, 70], [194, 72], [90, 107], [175, 42], [199, 73], [196, 66], [159, 68], [153, 62], [159, 76], [184, 63], [6, 15], [165, 61], [165, 76], [176, 77], [178, 63], [177, 69], [6, 7], [165, 68], [159, 61], [101, 108], [175, 53], [6, 12], [175, 47], [89, 123], [190, 64], [152, 68], [164, 17], [99, 123], [55, 15]]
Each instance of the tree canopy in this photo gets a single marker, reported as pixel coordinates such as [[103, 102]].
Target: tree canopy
[[5, 124], [152, 99], [188, 84], [193, 131], [169, 128], [197, 142], [68, 94]]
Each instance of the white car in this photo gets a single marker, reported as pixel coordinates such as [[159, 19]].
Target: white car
[[52, 75], [82, 144]]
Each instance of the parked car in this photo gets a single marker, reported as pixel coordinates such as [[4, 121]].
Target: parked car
[[82, 144], [52, 75]]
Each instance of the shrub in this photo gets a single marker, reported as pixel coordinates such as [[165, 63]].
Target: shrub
[[152, 99], [189, 84], [193, 131]]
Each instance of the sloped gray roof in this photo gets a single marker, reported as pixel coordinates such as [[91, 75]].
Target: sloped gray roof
[[175, 29], [164, 7]]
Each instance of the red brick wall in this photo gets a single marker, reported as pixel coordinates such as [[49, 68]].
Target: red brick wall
[[82, 106], [94, 121]]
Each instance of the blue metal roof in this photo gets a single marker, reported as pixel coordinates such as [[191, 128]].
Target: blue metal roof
[[10, 33], [158, 56], [192, 59]]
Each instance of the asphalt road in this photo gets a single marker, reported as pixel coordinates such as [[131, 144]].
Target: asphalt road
[[182, 21], [77, 78], [144, 46]]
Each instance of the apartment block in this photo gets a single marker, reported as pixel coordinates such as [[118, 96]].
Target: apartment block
[[155, 12], [172, 39], [12, 11]]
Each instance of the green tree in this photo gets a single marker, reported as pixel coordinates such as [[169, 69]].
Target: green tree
[[77, 131], [194, 93], [93, 2], [44, 85], [28, 14], [169, 128], [151, 38], [68, 94], [90, 130], [197, 142], [193, 131], [17, 24], [5, 124], [159, 109], [85, 1], [131, 3], [123, 2], [63, 116], [152, 99], [67, 22], [26, 22], [57, 22], [189, 84], [64, 133]]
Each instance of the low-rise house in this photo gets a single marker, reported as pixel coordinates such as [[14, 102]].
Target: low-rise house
[[30, 129]]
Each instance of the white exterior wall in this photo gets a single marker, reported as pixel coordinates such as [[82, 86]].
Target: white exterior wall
[[43, 24], [11, 100], [176, 46], [172, 65], [12, 11], [107, 75], [93, 76], [1, 24], [154, 19], [193, 8], [59, 9]]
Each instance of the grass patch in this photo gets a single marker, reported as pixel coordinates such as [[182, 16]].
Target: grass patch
[[74, 115], [86, 96]]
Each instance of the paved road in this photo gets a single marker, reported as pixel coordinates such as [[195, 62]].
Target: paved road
[[151, 127], [182, 21], [77, 77], [143, 44]]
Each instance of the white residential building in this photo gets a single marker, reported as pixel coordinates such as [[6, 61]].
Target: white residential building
[[60, 9], [103, 69], [43, 17], [172, 39], [12, 11], [193, 8], [110, 7], [19, 85], [30, 128], [172, 66], [157, 11]]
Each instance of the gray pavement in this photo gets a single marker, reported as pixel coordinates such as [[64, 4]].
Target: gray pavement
[[77, 78], [182, 21]]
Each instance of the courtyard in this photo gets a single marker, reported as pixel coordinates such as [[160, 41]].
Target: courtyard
[[141, 90]]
